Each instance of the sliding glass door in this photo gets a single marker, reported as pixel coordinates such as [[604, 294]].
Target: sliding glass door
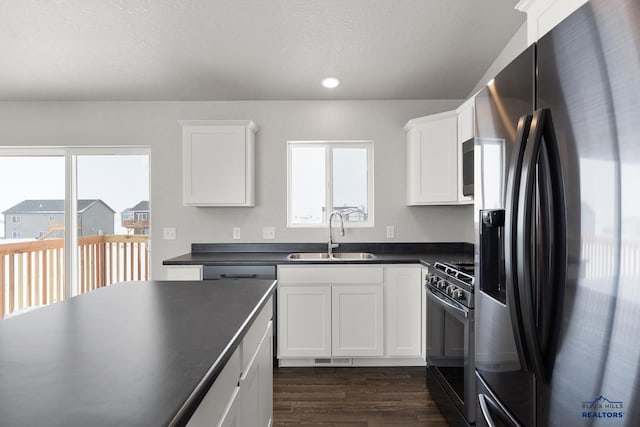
[[90, 203]]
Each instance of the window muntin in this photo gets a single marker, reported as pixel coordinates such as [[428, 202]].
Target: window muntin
[[324, 176]]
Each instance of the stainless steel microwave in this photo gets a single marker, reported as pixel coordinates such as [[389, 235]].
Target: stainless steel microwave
[[467, 167]]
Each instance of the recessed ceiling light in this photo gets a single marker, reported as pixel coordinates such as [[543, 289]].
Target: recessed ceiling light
[[330, 82]]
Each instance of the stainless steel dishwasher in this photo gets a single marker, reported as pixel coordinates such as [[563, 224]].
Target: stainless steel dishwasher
[[219, 272]]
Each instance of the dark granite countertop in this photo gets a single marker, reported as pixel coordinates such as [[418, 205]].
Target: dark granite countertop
[[272, 254], [130, 354]]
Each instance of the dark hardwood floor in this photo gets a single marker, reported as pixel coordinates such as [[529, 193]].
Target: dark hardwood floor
[[363, 397]]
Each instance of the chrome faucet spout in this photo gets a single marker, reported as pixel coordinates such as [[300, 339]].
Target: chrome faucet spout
[[331, 246]]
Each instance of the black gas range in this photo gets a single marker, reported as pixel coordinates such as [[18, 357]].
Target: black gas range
[[450, 340]]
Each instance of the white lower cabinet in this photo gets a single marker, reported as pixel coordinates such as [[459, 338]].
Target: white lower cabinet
[[242, 395], [356, 321], [231, 417], [256, 386], [304, 321], [184, 272], [403, 297], [365, 315]]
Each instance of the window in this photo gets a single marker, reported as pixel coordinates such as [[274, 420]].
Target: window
[[15, 219], [324, 176], [52, 218], [16, 234]]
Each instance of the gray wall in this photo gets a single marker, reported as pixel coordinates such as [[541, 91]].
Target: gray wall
[[155, 124]]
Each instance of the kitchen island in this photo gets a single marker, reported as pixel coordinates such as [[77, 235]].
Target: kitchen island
[[130, 354]]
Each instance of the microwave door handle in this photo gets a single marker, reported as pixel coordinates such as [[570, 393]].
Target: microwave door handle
[[511, 223]]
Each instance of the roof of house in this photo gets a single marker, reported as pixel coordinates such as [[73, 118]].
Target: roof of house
[[143, 206], [51, 206]]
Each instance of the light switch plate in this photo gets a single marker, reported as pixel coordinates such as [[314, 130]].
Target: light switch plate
[[236, 233], [391, 232], [268, 233], [169, 233]]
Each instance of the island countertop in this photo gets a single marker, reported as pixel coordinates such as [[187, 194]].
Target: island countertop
[[130, 354]]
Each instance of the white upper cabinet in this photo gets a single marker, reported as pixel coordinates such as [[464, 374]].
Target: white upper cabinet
[[466, 133], [218, 162], [543, 15], [432, 160]]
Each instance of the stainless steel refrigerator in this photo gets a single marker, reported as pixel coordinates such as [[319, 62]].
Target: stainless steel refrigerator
[[557, 197]]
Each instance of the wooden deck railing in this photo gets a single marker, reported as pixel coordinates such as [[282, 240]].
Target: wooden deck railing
[[32, 273]]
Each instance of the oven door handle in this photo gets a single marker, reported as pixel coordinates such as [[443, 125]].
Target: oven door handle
[[457, 308]]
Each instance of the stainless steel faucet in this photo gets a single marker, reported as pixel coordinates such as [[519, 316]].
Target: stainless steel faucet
[[332, 245]]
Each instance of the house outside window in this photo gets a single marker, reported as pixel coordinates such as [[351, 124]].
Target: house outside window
[[15, 219], [327, 176]]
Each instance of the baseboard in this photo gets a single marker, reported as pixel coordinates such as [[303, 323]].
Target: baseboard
[[352, 362]]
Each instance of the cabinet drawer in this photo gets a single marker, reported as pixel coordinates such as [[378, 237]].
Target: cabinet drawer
[[220, 395], [333, 274], [254, 335]]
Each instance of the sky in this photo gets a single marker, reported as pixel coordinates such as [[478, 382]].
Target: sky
[[120, 181]]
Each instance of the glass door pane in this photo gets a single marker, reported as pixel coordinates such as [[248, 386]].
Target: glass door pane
[[113, 219], [31, 232]]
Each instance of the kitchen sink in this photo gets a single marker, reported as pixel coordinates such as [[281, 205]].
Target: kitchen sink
[[353, 255], [324, 256], [308, 256]]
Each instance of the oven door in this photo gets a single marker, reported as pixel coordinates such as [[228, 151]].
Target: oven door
[[450, 357]]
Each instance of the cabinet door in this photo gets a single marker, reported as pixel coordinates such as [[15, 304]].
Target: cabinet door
[[357, 315], [231, 417], [250, 394], [218, 163], [403, 311], [432, 160], [184, 272], [304, 321], [265, 379]]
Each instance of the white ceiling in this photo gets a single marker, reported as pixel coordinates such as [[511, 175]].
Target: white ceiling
[[249, 49]]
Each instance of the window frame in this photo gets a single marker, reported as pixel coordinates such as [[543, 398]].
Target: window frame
[[329, 146]]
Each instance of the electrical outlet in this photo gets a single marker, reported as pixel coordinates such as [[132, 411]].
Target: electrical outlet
[[268, 233], [169, 233], [391, 232], [236, 233]]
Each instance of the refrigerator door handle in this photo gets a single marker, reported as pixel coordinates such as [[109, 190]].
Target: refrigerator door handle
[[510, 253], [541, 133], [488, 407]]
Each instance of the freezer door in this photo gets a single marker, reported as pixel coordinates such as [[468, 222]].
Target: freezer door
[[589, 79]]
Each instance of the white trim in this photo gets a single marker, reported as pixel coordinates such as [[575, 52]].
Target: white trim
[[35, 151]]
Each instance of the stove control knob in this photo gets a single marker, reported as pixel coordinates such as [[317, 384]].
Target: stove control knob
[[458, 294], [442, 284]]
